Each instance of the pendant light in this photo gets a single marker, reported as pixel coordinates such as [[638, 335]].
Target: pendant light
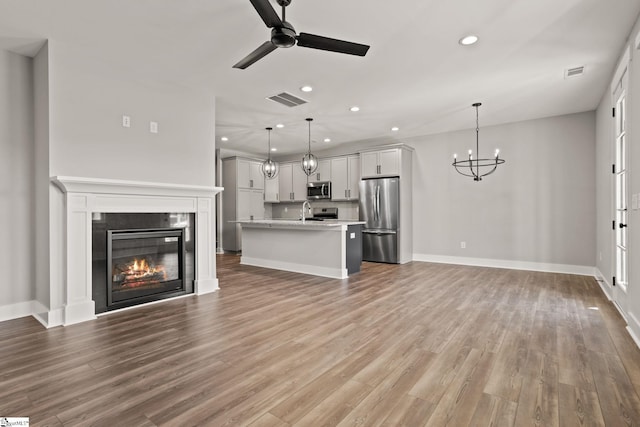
[[269, 167], [309, 162], [477, 168]]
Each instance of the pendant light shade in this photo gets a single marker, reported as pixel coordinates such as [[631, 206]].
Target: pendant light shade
[[477, 168], [309, 162], [269, 167]]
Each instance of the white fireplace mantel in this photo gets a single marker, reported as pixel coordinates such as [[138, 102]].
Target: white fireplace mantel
[[84, 196]]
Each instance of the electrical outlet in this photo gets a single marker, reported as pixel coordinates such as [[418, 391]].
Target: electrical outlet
[[126, 121], [463, 245], [153, 127]]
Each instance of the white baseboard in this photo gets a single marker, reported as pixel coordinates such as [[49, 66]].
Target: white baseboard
[[581, 270], [633, 328], [205, 286], [604, 283], [18, 310]]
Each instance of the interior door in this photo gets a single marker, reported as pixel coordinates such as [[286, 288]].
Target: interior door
[[620, 191]]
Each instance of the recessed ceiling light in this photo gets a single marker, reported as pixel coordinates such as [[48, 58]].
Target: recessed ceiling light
[[306, 88], [224, 139], [274, 149], [354, 108], [468, 40], [279, 125], [327, 140], [395, 128]]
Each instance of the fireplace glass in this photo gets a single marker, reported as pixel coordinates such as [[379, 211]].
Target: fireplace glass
[[143, 263]]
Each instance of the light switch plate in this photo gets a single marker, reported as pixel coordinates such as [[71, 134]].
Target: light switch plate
[[352, 236], [153, 127]]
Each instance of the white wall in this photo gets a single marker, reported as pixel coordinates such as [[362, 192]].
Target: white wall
[[630, 303], [537, 209], [16, 183], [41, 175], [88, 140]]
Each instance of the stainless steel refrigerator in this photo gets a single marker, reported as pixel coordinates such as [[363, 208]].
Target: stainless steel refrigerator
[[379, 208]]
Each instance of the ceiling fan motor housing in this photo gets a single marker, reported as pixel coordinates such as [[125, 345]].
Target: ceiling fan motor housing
[[284, 36]]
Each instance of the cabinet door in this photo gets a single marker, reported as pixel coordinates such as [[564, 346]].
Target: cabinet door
[[272, 189], [244, 173], [255, 175], [389, 161], [339, 179], [323, 173], [369, 164], [285, 182], [354, 177], [257, 204], [244, 204], [299, 183]]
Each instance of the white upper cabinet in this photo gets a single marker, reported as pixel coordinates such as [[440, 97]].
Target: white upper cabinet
[[323, 173], [293, 183], [250, 174], [345, 175], [380, 163]]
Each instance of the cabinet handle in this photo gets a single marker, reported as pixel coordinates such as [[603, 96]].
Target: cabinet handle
[[349, 193], [317, 177], [251, 217], [277, 197], [345, 193], [250, 183]]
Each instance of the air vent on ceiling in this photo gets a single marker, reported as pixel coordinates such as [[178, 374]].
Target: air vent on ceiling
[[573, 72], [287, 99]]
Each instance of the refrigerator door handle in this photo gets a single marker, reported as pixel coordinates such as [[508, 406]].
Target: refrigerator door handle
[[379, 232], [377, 204]]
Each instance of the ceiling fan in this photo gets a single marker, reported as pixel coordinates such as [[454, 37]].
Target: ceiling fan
[[284, 35]]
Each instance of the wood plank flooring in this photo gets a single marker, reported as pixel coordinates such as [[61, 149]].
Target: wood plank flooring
[[413, 345]]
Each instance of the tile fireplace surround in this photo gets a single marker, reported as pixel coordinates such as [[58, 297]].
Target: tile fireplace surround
[[83, 197]]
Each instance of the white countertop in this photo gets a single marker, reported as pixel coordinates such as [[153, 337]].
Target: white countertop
[[298, 224]]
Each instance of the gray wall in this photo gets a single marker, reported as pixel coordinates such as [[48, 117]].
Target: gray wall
[[539, 207], [16, 179]]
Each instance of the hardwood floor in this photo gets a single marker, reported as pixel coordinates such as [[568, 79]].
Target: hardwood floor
[[413, 345]]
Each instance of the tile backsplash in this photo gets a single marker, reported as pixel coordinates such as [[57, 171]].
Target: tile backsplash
[[346, 210]]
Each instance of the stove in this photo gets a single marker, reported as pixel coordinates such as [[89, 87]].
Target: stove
[[320, 214]]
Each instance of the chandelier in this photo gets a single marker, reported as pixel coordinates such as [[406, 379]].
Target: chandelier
[[269, 167], [477, 168], [309, 161]]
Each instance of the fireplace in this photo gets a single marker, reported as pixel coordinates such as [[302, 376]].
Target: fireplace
[[143, 264], [141, 257], [83, 209]]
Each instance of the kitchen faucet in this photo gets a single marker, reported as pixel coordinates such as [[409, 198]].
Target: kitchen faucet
[[308, 205]]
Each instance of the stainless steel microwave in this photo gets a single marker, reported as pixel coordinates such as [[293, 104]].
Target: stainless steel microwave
[[319, 190]]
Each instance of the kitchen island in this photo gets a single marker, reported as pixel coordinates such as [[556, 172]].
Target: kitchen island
[[330, 248]]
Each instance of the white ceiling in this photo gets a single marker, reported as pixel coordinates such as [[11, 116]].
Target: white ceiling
[[415, 76]]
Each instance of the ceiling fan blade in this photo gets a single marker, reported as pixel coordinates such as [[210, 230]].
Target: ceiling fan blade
[[267, 13], [334, 45], [263, 50]]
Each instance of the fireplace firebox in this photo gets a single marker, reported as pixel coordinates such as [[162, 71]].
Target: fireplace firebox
[[141, 257], [142, 264]]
